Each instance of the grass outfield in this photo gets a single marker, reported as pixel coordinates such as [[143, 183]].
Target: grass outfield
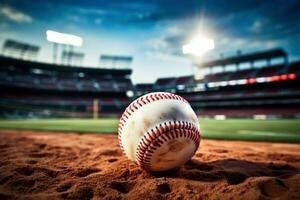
[[231, 129]]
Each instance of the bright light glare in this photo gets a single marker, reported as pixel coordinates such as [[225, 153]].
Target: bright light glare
[[63, 38], [198, 46], [129, 93]]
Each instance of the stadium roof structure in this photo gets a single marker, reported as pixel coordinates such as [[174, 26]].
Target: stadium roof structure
[[145, 86], [72, 58], [19, 49], [115, 61], [264, 55], [47, 66], [123, 58]]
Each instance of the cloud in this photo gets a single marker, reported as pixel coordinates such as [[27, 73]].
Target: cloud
[[14, 15], [247, 26], [88, 11], [167, 11], [256, 26], [98, 21], [156, 55], [167, 45], [233, 43], [171, 36], [165, 26], [75, 18], [251, 18]]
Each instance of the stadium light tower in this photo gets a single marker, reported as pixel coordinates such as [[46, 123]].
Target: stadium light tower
[[198, 46], [64, 39]]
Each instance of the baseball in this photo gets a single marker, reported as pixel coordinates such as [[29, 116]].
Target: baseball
[[159, 131]]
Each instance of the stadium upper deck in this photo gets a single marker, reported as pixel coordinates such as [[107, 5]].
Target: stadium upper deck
[[34, 87], [35, 75], [272, 89]]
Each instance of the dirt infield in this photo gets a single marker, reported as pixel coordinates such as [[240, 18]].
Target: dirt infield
[[72, 166]]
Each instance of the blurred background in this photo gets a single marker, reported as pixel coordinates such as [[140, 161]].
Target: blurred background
[[90, 59]]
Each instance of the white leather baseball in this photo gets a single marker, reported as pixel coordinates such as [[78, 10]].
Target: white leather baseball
[[159, 131]]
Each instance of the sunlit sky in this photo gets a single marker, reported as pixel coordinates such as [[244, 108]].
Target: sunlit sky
[[153, 32]]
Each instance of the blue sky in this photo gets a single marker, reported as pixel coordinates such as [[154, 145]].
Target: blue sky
[[154, 31]]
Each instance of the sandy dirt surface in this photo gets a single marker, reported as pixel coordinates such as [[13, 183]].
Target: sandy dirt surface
[[39, 165]]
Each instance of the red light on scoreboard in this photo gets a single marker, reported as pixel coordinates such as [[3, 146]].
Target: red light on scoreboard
[[275, 78], [283, 77], [292, 76], [250, 81]]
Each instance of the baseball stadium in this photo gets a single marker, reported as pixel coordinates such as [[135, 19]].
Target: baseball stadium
[[69, 72]]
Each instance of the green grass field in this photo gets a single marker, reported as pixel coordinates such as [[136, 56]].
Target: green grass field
[[231, 129]]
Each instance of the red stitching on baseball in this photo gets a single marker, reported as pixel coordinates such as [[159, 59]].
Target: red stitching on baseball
[[173, 131], [136, 104]]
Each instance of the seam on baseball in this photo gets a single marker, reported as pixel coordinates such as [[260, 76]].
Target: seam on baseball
[[162, 133], [140, 102]]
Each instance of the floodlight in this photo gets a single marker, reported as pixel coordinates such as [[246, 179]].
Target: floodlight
[[261, 79], [129, 93], [242, 81], [198, 46], [232, 82], [223, 83], [180, 87], [63, 38]]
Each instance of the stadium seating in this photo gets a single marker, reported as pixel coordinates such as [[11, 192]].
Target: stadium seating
[[273, 86], [294, 68], [250, 112], [217, 77], [33, 89], [185, 80], [270, 71], [165, 83], [242, 74], [60, 91]]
